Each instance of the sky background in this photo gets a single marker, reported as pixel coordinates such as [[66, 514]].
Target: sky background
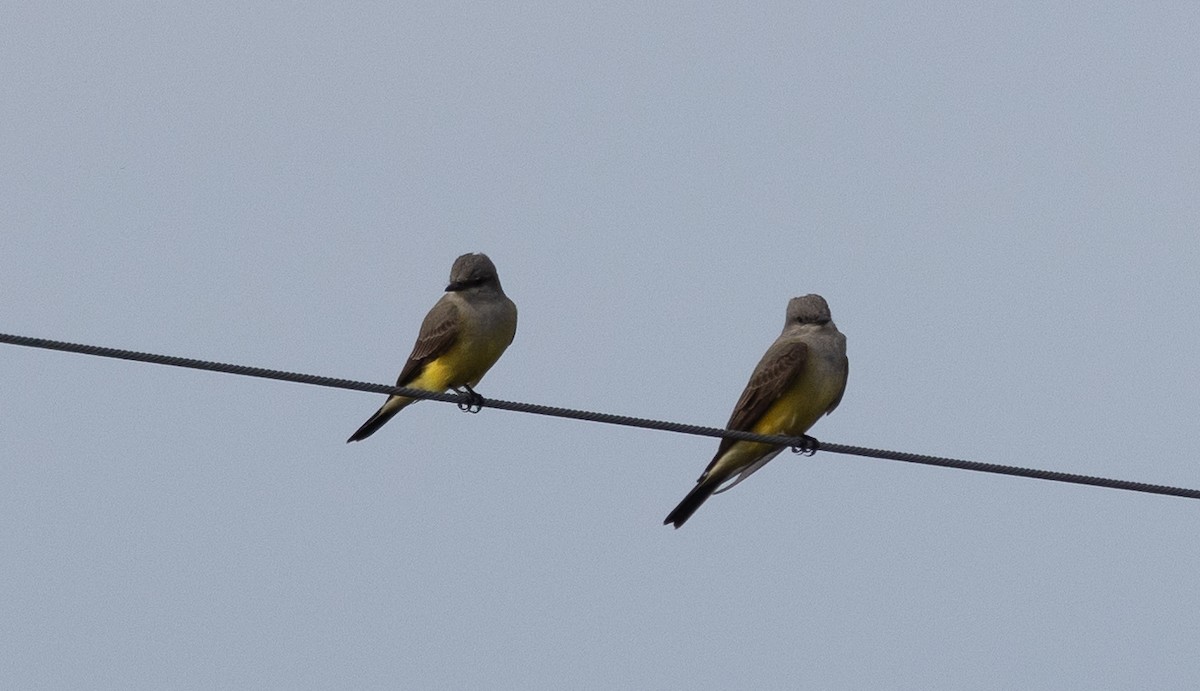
[[999, 202]]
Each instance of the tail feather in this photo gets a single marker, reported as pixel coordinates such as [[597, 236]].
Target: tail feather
[[392, 406], [702, 491]]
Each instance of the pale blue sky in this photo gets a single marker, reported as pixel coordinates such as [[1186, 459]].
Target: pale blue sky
[[999, 203]]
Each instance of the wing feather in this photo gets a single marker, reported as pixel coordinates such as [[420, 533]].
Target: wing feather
[[783, 362], [838, 398], [439, 332]]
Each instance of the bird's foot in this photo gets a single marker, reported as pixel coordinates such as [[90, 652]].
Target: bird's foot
[[472, 402], [807, 446]]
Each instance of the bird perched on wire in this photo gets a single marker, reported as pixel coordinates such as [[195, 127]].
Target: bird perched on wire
[[463, 335], [800, 378]]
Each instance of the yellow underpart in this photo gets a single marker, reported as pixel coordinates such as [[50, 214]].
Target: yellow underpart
[[791, 415], [465, 363]]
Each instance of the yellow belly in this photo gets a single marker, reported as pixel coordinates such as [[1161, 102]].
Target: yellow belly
[[465, 363], [791, 415], [795, 411]]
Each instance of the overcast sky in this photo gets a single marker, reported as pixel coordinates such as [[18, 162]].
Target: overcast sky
[[999, 203]]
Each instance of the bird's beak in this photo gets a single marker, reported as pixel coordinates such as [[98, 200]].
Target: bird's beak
[[454, 286]]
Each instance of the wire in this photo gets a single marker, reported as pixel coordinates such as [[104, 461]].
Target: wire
[[466, 402]]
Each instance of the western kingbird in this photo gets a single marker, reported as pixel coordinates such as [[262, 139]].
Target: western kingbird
[[461, 338], [800, 378]]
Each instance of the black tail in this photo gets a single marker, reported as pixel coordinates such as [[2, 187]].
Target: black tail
[[385, 413], [693, 500]]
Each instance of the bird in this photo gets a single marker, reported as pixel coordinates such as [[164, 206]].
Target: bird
[[801, 377], [462, 336]]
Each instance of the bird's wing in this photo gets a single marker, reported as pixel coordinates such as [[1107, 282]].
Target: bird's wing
[[439, 332], [779, 367], [838, 398]]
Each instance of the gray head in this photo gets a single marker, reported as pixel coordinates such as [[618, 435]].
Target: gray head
[[472, 270], [810, 309]]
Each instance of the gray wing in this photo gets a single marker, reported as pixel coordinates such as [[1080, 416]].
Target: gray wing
[[780, 366], [838, 398], [438, 333]]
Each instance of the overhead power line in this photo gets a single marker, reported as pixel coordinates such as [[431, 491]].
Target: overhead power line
[[467, 403]]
